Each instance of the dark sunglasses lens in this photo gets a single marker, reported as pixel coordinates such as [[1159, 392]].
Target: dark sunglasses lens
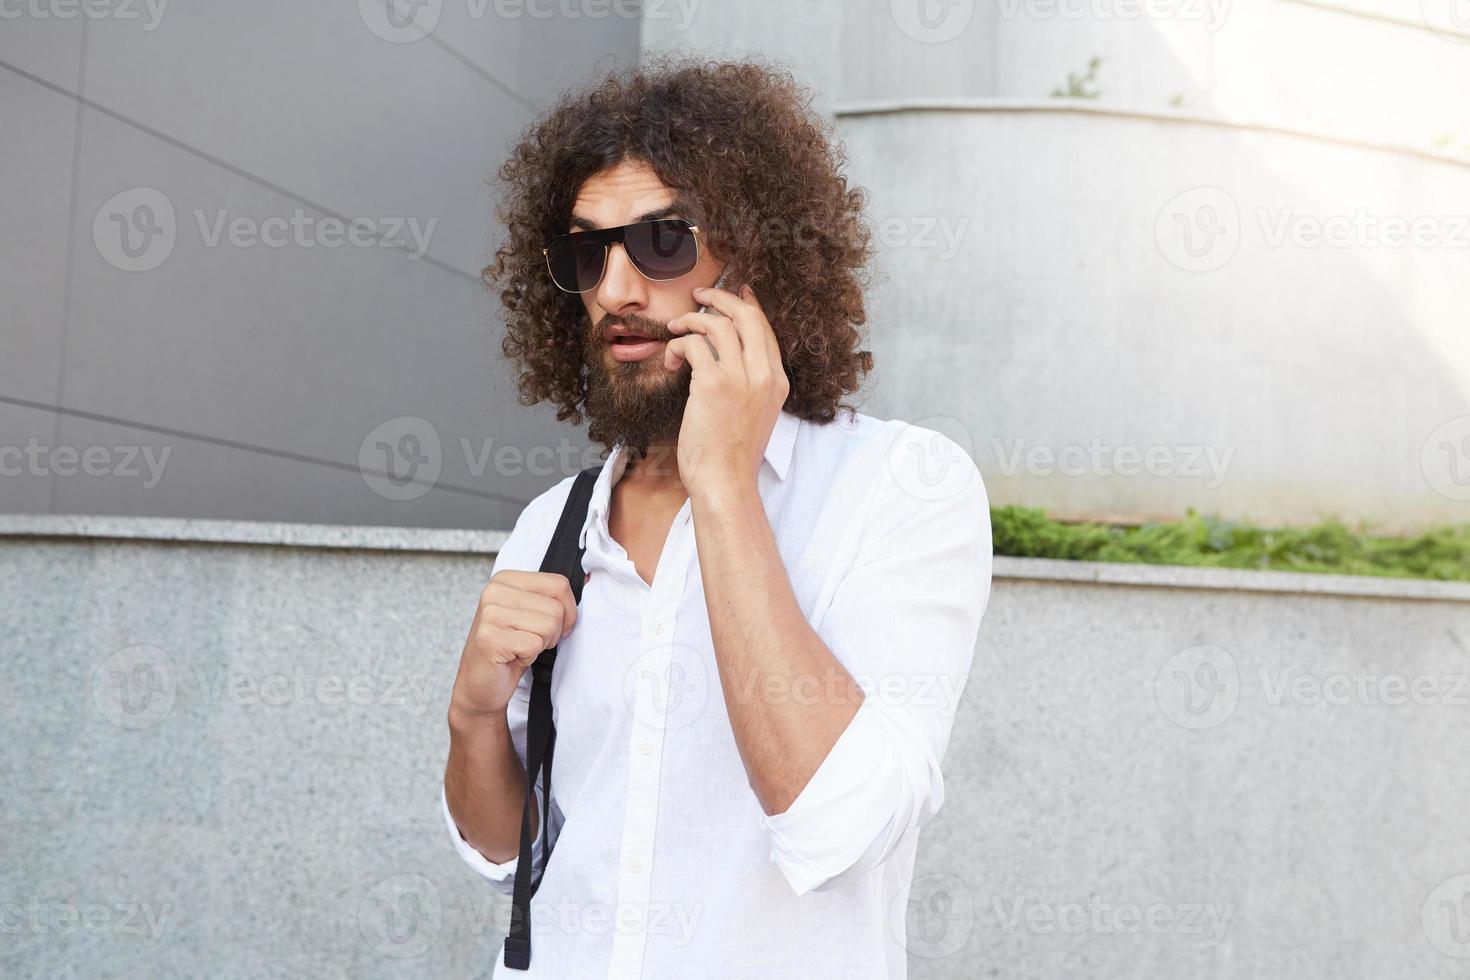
[[576, 264], [662, 249]]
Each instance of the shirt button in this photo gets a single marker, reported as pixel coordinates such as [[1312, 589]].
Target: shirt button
[[644, 746], [635, 865], [658, 626]]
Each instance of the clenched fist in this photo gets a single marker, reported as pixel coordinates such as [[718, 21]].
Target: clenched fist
[[520, 615]]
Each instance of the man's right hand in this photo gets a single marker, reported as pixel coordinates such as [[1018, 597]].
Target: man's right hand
[[520, 615]]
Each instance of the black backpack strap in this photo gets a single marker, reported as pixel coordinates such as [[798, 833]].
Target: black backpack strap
[[563, 555]]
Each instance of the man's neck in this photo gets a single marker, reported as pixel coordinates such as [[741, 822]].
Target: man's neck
[[657, 471]]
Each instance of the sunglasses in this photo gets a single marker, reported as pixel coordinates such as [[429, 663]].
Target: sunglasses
[[660, 250]]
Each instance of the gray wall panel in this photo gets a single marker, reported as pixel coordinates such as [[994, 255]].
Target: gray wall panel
[[320, 352]]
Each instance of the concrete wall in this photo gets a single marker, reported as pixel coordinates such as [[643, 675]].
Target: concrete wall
[[1173, 292], [1270, 379], [224, 755], [271, 366], [1229, 274]]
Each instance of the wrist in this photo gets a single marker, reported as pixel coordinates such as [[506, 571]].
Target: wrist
[[724, 490], [471, 723]]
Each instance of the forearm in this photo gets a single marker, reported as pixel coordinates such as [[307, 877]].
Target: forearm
[[789, 699], [485, 785]]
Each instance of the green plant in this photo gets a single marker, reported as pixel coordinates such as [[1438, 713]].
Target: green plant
[[1328, 547], [1077, 84]]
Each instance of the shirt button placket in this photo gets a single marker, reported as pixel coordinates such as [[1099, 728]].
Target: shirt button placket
[[645, 748]]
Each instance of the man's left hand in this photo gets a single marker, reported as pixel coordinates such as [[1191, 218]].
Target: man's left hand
[[736, 393]]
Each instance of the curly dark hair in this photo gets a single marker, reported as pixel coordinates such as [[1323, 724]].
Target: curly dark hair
[[757, 170]]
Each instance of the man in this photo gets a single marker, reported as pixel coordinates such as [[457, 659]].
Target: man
[[781, 597]]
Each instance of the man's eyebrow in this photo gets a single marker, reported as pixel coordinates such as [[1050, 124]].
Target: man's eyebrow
[[587, 224]]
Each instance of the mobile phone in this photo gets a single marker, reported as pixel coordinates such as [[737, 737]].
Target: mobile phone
[[724, 273]]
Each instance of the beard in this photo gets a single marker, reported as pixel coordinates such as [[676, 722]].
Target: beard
[[637, 403]]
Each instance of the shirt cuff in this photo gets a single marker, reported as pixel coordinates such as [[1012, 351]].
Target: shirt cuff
[[487, 869], [847, 813]]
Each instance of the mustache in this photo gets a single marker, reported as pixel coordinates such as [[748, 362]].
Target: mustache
[[655, 329]]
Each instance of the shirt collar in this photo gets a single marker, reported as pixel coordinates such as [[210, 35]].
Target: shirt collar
[[779, 450], [782, 444]]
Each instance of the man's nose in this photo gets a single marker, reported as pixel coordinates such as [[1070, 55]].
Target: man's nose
[[622, 288]]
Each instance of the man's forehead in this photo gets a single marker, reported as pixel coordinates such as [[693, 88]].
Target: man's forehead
[[620, 195]]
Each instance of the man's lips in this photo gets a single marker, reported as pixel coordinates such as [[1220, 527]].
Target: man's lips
[[633, 348], [628, 345]]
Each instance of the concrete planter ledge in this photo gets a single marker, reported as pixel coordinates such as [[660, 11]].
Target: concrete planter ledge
[[489, 542], [251, 532], [1144, 113]]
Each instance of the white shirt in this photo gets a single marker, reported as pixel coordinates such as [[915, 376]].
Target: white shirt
[[664, 864]]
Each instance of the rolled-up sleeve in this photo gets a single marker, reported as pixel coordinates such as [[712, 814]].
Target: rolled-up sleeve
[[500, 876], [903, 622]]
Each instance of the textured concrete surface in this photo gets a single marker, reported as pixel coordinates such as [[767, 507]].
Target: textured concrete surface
[[222, 760], [1068, 286], [1227, 376]]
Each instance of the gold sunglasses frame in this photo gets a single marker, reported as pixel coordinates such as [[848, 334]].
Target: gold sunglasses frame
[[606, 249]]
